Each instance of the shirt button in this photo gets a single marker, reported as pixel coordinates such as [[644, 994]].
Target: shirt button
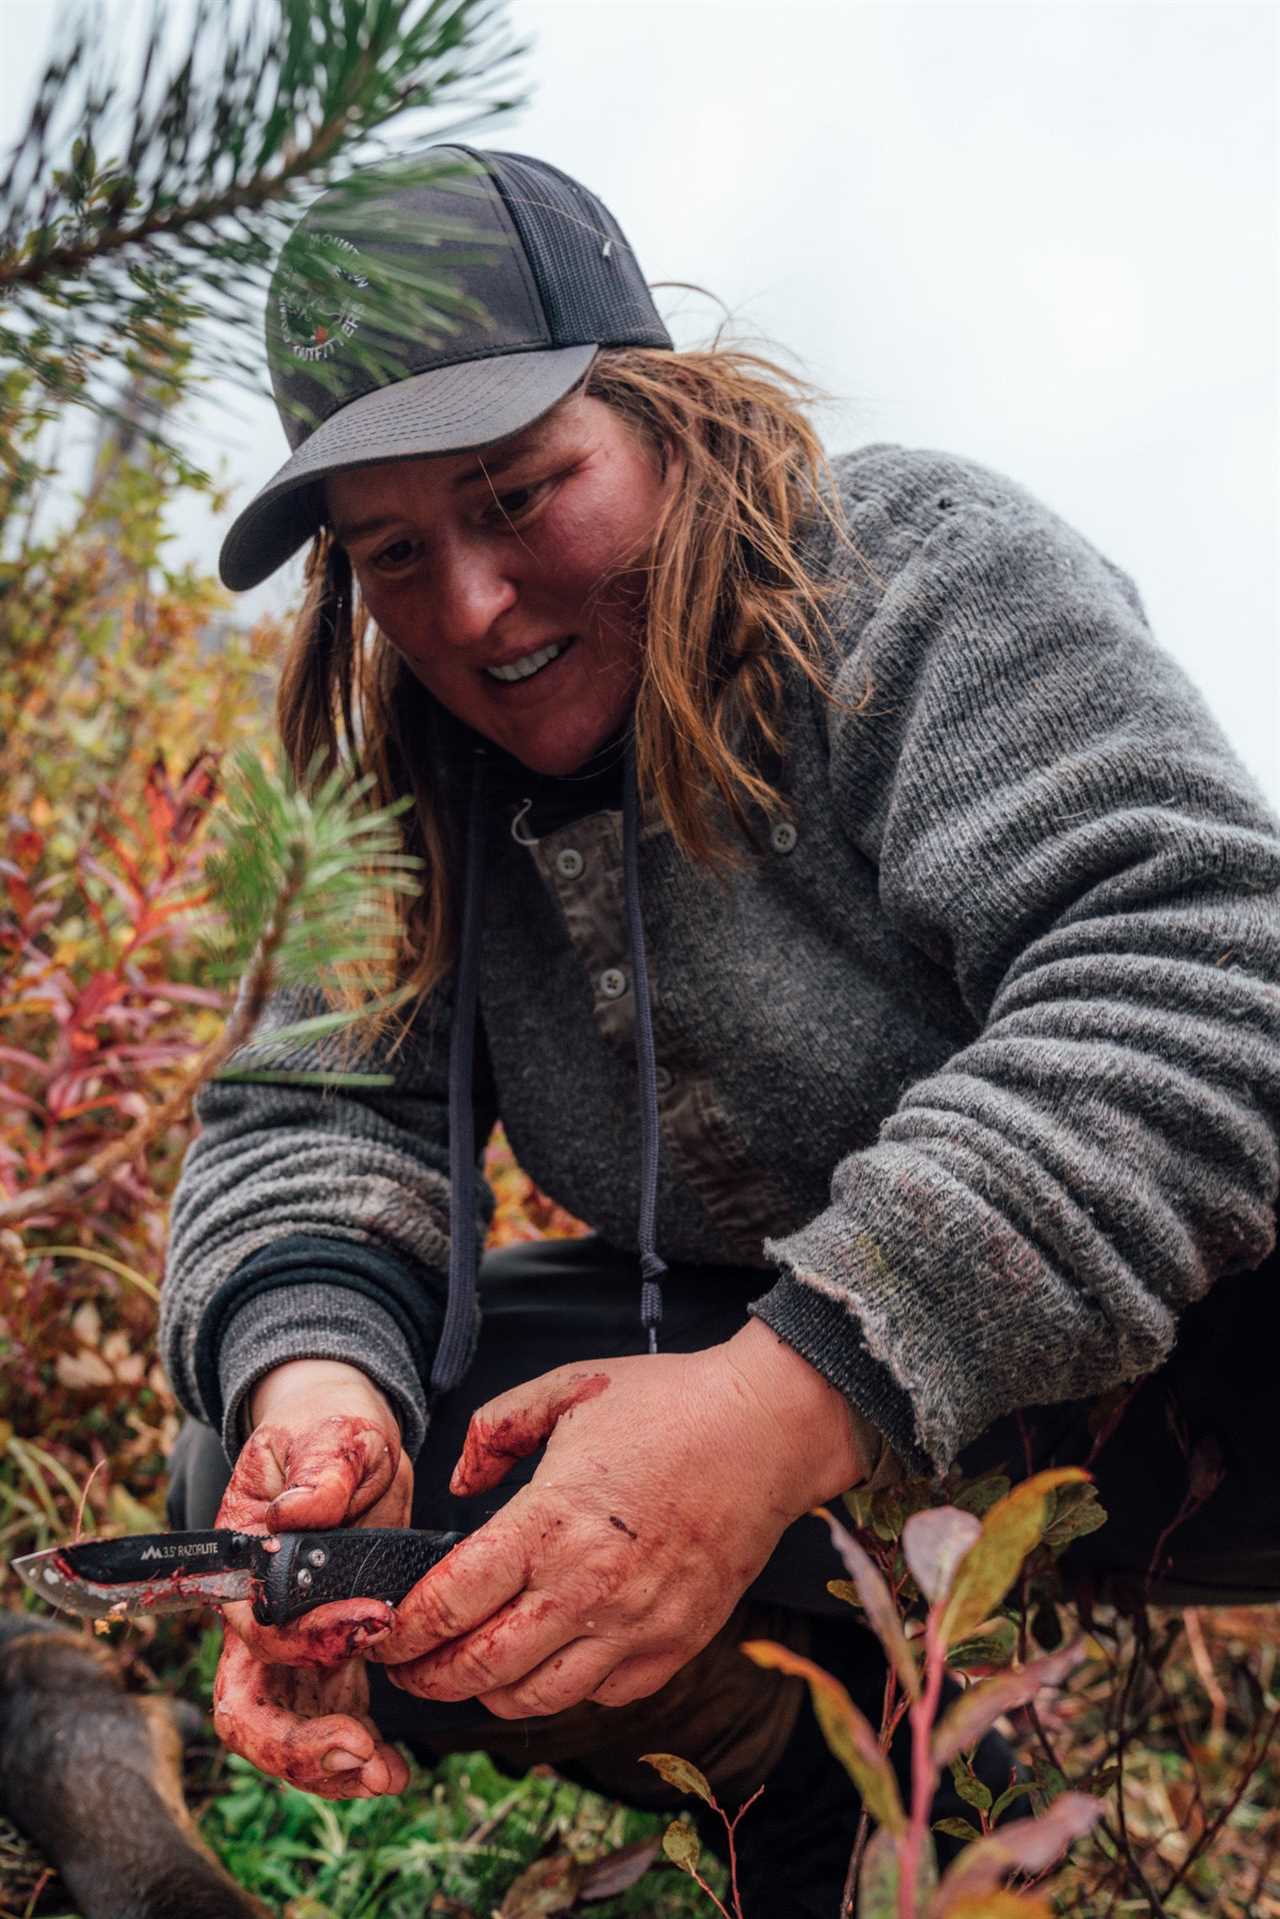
[[783, 837], [570, 862], [613, 983], [663, 1078]]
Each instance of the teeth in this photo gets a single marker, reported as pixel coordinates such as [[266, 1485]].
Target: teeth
[[531, 664]]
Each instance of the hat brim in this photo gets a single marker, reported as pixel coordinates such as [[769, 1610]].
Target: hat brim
[[445, 410]]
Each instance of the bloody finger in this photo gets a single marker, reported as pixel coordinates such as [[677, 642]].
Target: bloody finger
[[326, 1636], [570, 1676], [476, 1579], [251, 1720], [515, 1424], [510, 1643]]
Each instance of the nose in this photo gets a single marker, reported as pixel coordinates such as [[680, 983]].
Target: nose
[[470, 590]]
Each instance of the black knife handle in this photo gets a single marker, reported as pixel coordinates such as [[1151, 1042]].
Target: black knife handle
[[313, 1569]]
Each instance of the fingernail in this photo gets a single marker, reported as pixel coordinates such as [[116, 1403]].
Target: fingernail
[[367, 1632], [339, 1761], [291, 1492]]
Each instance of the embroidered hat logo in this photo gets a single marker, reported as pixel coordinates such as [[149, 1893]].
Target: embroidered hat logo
[[314, 323]]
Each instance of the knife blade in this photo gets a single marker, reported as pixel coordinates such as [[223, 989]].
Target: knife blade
[[283, 1574]]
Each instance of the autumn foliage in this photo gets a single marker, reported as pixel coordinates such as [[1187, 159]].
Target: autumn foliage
[[126, 685]]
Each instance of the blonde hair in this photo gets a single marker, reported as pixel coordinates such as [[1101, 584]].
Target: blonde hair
[[729, 606]]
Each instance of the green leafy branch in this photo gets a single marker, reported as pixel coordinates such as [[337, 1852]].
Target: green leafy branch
[[140, 212], [297, 881]]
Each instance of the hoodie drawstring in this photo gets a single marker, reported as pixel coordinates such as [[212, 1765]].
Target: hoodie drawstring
[[652, 1267], [458, 1332]]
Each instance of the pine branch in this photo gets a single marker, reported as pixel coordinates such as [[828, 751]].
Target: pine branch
[[139, 219], [294, 884], [336, 919]]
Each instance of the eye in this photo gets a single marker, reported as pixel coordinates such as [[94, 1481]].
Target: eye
[[516, 504], [395, 556]]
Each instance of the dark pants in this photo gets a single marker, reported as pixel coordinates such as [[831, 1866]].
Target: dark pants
[[552, 1302]]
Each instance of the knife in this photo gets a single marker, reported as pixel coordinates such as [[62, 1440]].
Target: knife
[[284, 1574]]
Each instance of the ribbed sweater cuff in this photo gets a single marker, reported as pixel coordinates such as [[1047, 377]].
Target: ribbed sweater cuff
[[311, 1297], [828, 1337]]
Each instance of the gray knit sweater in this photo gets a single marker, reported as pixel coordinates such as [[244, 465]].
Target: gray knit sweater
[[978, 1061]]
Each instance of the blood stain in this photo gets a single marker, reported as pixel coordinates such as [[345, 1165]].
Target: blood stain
[[520, 1433]]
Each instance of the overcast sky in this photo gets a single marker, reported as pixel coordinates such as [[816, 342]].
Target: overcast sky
[[1042, 236]]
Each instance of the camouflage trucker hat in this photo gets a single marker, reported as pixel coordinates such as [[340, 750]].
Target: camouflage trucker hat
[[431, 310]]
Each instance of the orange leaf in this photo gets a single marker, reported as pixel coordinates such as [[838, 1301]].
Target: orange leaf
[[1010, 1529], [844, 1728]]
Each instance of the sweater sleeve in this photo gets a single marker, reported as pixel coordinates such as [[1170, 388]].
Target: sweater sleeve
[[1056, 820], [313, 1223]]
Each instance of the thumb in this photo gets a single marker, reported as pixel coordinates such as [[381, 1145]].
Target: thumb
[[516, 1424], [334, 1471]]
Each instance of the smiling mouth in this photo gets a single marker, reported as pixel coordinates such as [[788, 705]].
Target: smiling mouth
[[531, 665]]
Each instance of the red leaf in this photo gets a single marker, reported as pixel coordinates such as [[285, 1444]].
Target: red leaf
[[15, 1098], [102, 991], [127, 862], [1027, 1845], [196, 795], [158, 795], [976, 1710], [26, 846], [40, 916], [547, 1886], [619, 1870], [933, 1544], [1207, 1469], [190, 995], [17, 1057], [109, 879], [877, 1602]]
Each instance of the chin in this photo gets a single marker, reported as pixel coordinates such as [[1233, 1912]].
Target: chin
[[556, 759], [554, 764]]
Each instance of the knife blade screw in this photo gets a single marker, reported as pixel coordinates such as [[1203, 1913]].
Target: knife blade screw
[[316, 1557], [51, 1577], [304, 1577]]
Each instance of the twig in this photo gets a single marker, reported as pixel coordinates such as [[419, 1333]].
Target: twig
[[84, 1498], [1126, 1859], [850, 1893], [1109, 1425], [1175, 1719], [1210, 1833], [37, 1890], [1208, 1678], [1263, 1873], [731, 1826], [61, 1194], [698, 1880], [496, 1816], [923, 1771], [1140, 1628], [889, 1721]]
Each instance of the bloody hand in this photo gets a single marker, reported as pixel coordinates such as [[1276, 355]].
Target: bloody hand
[[294, 1700], [666, 1483]]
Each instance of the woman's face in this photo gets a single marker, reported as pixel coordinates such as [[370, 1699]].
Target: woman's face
[[472, 560]]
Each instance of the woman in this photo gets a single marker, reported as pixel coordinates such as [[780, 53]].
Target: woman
[[832, 844]]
